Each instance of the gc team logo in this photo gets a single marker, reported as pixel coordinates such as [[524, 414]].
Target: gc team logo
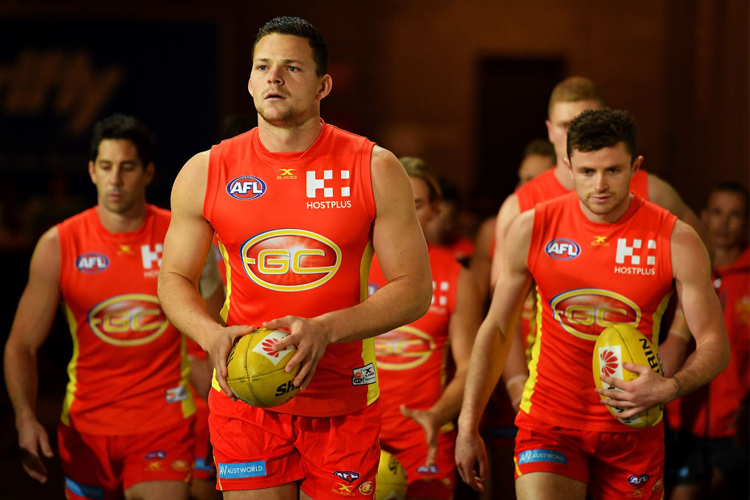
[[290, 260], [563, 249], [404, 348], [586, 312], [92, 263], [246, 187], [128, 320]]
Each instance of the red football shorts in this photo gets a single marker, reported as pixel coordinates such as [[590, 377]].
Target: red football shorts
[[615, 465], [334, 457], [103, 466], [204, 463], [437, 481]]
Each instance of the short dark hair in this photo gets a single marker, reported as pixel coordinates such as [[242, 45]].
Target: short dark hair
[[297, 26], [125, 127], [596, 129], [540, 147], [736, 188]]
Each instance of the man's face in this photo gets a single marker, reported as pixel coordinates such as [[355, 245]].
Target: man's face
[[119, 176], [283, 83], [559, 122], [725, 216], [426, 210], [531, 166], [602, 181]]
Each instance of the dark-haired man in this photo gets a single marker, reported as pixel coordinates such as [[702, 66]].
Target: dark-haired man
[[127, 420], [598, 255], [297, 206]]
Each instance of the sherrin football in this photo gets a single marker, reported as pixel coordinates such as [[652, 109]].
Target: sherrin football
[[256, 372], [391, 480], [620, 344]]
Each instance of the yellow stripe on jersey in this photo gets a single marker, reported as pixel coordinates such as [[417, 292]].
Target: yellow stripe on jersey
[[656, 318], [72, 365], [528, 390], [188, 404], [364, 270], [224, 255], [368, 345]]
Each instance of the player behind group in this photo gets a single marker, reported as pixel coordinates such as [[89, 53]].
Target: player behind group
[[707, 452], [298, 206], [420, 398], [622, 254], [129, 363]]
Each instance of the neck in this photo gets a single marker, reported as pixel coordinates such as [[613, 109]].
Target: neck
[[727, 255], [122, 223], [289, 139], [563, 175]]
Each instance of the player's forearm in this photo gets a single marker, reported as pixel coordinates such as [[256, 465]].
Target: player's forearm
[[396, 304], [448, 406], [487, 361], [185, 308], [21, 380], [711, 356]]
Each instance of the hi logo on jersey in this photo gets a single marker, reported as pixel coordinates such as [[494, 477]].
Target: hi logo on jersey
[[403, 348], [328, 187], [586, 312], [440, 295], [563, 249], [290, 260], [128, 320], [246, 187], [629, 257], [92, 262]]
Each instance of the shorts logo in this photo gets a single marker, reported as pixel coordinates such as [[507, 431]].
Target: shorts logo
[[530, 456], [586, 312], [637, 481], [176, 394], [92, 262], [246, 187], [242, 469], [154, 467], [432, 469], [156, 454], [84, 490], [343, 489], [265, 347], [128, 320], [290, 260], [366, 488], [404, 348], [347, 475], [180, 466], [562, 249], [364, 375]]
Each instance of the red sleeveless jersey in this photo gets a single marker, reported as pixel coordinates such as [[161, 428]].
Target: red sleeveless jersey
[[710, 411], [129, 371], [413, 359], [546, 187], [295, 231], [589, 276]]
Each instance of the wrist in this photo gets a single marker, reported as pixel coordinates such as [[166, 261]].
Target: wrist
[[677, 387]]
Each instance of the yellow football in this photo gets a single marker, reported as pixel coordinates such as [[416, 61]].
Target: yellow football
[[620, 344], [256, 372], [391, 480]]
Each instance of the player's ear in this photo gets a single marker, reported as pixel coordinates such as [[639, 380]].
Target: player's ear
[[549, 129], [92, 169], [637, 163], [250, 87], [326, 85], [148, 173]]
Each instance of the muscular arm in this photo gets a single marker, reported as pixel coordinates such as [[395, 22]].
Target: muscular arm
[[508, 212], [491, 348], [31, 325]]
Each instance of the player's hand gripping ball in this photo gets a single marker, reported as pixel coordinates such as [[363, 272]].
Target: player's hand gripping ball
[[620, 344], [391, 480], [256, 372]]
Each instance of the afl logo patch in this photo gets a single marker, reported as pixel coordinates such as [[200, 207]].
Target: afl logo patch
[[92, 263], [246, 187], [562, 249]]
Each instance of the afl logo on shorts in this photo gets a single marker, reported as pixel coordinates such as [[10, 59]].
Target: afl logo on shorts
[[586, 312], [404, 348], [92, 263], [128, 320], [246, 187], [562, 249], [290, 260]]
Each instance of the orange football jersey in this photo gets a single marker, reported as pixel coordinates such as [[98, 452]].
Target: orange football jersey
[[589, 276], [413, 359], [129, 371], [295, 229]]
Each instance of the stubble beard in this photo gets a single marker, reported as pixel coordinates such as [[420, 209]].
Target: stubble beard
[[289, 118]]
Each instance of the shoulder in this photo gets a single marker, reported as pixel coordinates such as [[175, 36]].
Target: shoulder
[[687, 249], [385, 166]]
